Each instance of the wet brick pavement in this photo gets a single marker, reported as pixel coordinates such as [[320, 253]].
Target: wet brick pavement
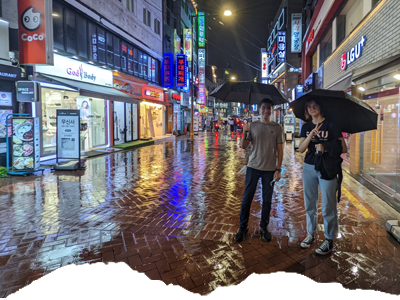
[[171, 212]]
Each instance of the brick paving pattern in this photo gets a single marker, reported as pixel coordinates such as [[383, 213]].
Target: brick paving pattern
[[171, 212]]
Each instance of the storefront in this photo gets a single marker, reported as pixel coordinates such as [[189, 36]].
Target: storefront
[[125, 125], [8, 103], [363, 68], [71, 84], [152, 112], [174, 112]]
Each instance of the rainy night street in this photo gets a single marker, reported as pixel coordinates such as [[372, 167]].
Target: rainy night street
[[171, 211]]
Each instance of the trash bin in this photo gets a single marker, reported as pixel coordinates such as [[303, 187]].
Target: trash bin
[[297, 138]]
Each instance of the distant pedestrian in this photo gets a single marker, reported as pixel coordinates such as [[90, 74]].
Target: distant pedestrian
[[231, 123], [265, 162], [323, 141]]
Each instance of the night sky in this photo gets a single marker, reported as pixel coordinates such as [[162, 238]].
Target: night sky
[[240, 39]]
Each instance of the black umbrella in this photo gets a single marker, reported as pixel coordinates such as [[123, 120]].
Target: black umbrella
[[350, 114], [248, 92]]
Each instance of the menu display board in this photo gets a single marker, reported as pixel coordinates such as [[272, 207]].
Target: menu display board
[[68, 139], [25, 144], [3, 120], [196, 124], [5, 99]]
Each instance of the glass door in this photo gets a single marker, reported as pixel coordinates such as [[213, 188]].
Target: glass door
[[128, 119], [119, 122], [380, 153], [135, 122]]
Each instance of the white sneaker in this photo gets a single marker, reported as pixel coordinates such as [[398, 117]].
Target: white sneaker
[[325, 248], [306, 243]]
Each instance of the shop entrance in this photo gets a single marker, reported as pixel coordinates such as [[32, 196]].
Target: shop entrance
[[380, 154], [151, 120]]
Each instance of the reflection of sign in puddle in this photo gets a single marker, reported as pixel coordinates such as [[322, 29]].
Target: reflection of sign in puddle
[[18, 188]]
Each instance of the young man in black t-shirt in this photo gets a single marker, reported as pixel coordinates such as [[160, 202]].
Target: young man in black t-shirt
[[313, 133]]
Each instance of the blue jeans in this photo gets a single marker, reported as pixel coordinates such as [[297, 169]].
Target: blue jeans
[[252, 177], [311, 180]]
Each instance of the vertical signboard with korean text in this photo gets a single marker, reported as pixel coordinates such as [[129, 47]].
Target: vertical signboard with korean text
[[187, 36], [35, 32], [177, 43], [264, 63], [25, 144], [202, 76], [281, 46], [68, 139], [202, 34], [181, 70], [168, 70], [296, 33]]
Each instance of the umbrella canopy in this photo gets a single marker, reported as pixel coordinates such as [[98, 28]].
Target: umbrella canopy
[[248, 92], [350, 114]]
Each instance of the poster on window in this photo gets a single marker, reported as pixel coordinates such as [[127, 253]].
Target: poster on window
[[68, 126], [25, 144], [83, 104], [3, 120]]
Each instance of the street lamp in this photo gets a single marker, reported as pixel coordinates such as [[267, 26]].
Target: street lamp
[[227, 12], [233, 78]]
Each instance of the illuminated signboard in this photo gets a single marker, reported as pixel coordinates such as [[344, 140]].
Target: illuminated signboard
[[202, 34], [181, 70], [202, 76], [352, 55], [150, 93], [177, 43], [176, 97], [264, 64], [296, 33], [168, 70], [281, 46], [310, 39], [187, 36]]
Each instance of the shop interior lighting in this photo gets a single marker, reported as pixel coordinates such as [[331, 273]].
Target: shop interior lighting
[[90, 62], [227, 13], [75, 57], [397, 76], [54, 15], [362, 89]]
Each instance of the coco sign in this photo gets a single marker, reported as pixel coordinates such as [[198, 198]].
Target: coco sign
[[352, 55]]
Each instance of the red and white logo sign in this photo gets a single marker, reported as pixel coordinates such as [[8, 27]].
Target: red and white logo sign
[[343, 62], [35, 46]]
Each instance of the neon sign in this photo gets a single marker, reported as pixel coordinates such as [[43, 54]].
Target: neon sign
[[201, 29], [181, 70], [167, 69], [352, 55]]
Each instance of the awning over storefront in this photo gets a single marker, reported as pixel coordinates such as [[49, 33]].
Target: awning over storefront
[[342, 84], [91, 90]]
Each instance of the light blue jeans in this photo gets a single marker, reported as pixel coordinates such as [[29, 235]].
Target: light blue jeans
[[311, 180]]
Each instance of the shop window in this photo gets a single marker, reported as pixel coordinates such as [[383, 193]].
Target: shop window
[[58, 26], [117, 53], [101, 45], [145, 66], [130, 59], [124, 55], [136, 62], [82, 37], [326, 46], [70, 31], [141, 71], [110, 48], [92, 30]]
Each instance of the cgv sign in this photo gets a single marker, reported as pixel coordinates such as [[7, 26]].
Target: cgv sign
[[352, 55]]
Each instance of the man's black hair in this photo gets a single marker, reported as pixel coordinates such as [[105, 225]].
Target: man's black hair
[[266, 100]]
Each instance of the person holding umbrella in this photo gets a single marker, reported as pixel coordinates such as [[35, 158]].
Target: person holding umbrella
[[328, 113], [265, 162], [316, 133]]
